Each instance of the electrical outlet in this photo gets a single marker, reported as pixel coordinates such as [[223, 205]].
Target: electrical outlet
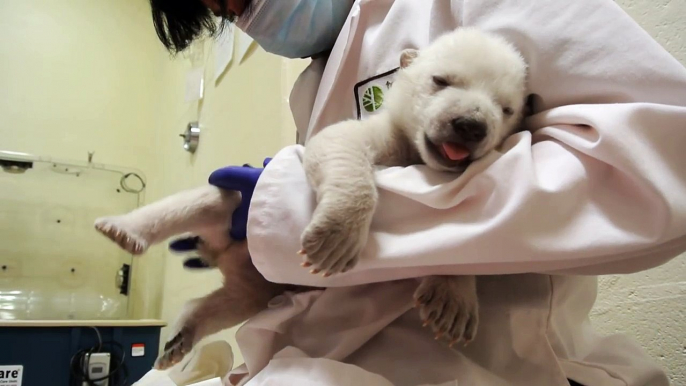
[[97, 365]]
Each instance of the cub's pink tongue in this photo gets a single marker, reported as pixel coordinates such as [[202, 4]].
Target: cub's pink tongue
[[454, 152]]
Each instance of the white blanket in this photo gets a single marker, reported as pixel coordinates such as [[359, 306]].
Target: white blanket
[[206, 365]]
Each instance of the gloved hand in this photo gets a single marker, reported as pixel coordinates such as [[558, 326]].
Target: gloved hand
[[242, 179]]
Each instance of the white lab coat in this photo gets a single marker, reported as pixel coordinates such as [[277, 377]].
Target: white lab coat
[[595, 187]]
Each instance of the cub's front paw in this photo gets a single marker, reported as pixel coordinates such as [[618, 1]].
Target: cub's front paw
[[332, 242], [176, 349], [449, 304]]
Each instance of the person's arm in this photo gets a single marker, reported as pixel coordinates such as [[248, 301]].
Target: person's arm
[[592, 189], [600, 191]]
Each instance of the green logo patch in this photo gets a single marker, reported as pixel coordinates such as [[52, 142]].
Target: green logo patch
[[372, 99], [369, 93]]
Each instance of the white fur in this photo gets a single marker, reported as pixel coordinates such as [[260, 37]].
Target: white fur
[[464, 75], [485, 73], [205, 211]]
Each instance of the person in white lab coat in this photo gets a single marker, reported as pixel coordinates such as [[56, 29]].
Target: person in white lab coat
[[595, 186]]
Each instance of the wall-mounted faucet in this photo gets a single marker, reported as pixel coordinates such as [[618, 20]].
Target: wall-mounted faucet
[[191, 137]]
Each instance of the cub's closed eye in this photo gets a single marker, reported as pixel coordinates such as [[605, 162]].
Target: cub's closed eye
[[508, 111], [441, 81]]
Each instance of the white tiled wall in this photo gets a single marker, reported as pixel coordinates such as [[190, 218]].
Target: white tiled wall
[[651, 306]]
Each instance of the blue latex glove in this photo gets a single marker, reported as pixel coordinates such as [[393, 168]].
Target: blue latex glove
[[240, 178]]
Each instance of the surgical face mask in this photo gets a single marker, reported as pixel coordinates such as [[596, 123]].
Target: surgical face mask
[[295, 28]]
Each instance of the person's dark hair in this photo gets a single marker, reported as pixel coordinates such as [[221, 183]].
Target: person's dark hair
[[179, 22]]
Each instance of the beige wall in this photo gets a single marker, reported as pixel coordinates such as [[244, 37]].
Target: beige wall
[[244, 119], [54, 265], [79, 76], [649, 306], [75, 76]]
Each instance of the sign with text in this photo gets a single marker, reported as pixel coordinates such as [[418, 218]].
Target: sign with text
[[11, 375]]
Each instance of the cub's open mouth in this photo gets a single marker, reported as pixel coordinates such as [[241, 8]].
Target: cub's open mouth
[[451, 154], [454, 151]]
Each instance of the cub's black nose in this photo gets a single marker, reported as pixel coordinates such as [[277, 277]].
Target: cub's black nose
[[469, 130]]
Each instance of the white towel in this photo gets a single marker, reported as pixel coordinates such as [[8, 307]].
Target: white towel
[[204, 366]]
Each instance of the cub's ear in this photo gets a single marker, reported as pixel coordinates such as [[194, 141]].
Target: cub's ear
[[407, 57]]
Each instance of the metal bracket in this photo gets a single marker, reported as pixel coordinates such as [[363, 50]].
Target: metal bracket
[[123, 278], [191, 137]]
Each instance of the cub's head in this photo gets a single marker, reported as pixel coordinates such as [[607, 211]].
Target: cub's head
[[460, 97]]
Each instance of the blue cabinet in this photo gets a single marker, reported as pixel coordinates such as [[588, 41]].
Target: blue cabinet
[[45, 348]]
